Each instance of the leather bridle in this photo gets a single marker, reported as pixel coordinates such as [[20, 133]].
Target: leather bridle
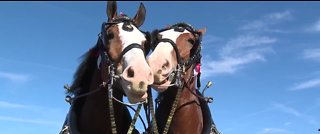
[[182, 66]]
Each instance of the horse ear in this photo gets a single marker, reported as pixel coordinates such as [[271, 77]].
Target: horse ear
[[202, 31], [111, 10], [140, 16]]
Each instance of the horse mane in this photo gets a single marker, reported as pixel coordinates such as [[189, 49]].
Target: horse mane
[[85, 70]]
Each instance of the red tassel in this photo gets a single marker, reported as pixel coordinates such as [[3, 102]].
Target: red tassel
[[198, 68]]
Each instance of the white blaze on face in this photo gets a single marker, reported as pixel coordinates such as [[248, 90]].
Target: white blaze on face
[[136, 73], [129, 37]]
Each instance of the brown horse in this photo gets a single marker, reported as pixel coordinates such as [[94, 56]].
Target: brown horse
[[176, 53], [114, 67]]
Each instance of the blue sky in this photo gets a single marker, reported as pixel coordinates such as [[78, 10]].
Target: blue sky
[[263, 58]]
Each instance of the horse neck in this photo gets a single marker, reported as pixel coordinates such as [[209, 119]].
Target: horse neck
[[188, 106], [94, 116], [186, 95]]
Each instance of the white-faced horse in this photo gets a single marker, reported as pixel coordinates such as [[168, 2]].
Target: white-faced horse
[[114, 67], [176, 54]]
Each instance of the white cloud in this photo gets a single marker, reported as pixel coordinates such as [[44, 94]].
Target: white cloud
[[32, 121], [247, 48], [315, 27], [313, 54], [267, 21], [255, 25], [291, 111], [14, 77], [231, 64], [243, 43], [4, 104], [46, 66], [287, 109], [285, 15], [11, 105], [34, 108], [31, 111], [287, 123], [207, 39], [307, 84], [273, 131], [237, 53]]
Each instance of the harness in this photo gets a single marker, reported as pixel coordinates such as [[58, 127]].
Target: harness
[[182, 66], [109, 81]]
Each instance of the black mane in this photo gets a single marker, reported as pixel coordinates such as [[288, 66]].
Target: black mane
[[85, 70]]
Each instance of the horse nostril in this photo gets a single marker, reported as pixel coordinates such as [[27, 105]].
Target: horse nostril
[[159, 71], [141, 84], [165, 65], [150, 75], [130, 73]]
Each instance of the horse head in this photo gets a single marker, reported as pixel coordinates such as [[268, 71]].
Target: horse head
[[125, 45], [175, 49]]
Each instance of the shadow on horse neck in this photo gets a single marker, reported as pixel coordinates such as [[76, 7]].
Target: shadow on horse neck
[[188, 117], [92, 111]]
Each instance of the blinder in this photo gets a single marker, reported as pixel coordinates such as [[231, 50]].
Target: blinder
[[127, 27]]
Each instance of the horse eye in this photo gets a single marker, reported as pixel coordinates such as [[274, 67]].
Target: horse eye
[[191, 41]]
